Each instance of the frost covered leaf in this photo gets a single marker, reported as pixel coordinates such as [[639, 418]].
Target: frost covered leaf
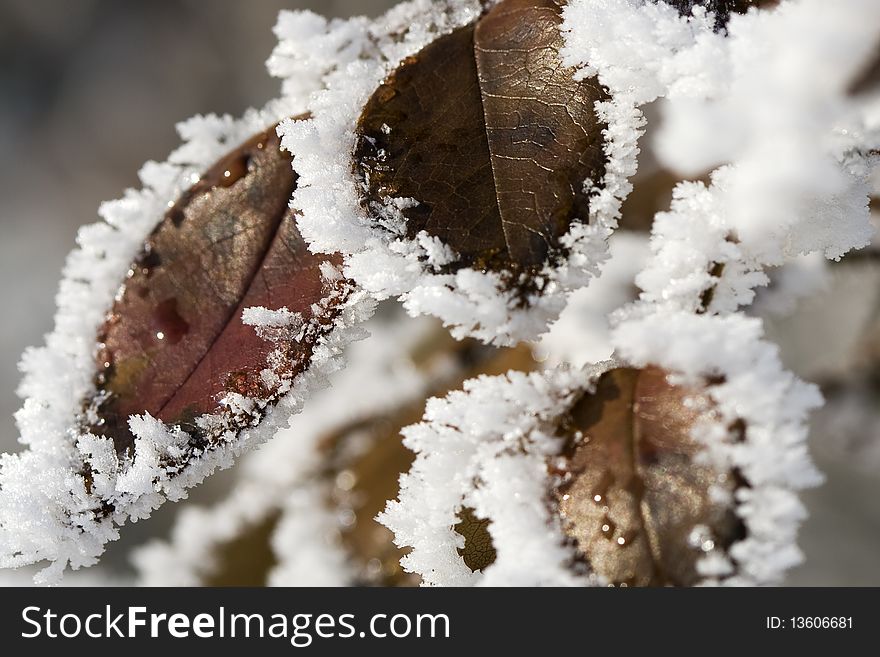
[[224, 323], [176, 343], [492, 137], [365, 459], [629, 486], [662, 469], [460, 166], [633, 489]]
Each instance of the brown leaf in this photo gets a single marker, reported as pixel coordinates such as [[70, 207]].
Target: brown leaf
[[491, 135], [631, 491], [174, 342]]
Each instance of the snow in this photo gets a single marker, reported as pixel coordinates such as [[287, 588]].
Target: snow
[[266, 317], [642, 50], [582, 334], [766, 107]]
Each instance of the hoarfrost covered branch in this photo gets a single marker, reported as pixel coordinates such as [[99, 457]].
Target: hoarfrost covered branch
[[472, 160]]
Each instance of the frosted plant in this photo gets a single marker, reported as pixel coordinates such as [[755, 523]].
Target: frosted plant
[[597, 399]]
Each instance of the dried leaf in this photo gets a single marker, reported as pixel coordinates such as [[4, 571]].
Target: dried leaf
[[174, 342], [491, 135], [638, 505]]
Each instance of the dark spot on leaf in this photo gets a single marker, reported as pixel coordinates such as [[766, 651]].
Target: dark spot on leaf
[[167, 322], [148, 261]]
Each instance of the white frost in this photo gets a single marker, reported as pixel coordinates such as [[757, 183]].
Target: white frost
[[766, 106]]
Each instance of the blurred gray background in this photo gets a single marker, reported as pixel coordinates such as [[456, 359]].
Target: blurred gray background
[[90, 89]]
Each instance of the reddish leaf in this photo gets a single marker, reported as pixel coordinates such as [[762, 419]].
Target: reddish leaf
[[632, 491], [491, 135], [174, 342]]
